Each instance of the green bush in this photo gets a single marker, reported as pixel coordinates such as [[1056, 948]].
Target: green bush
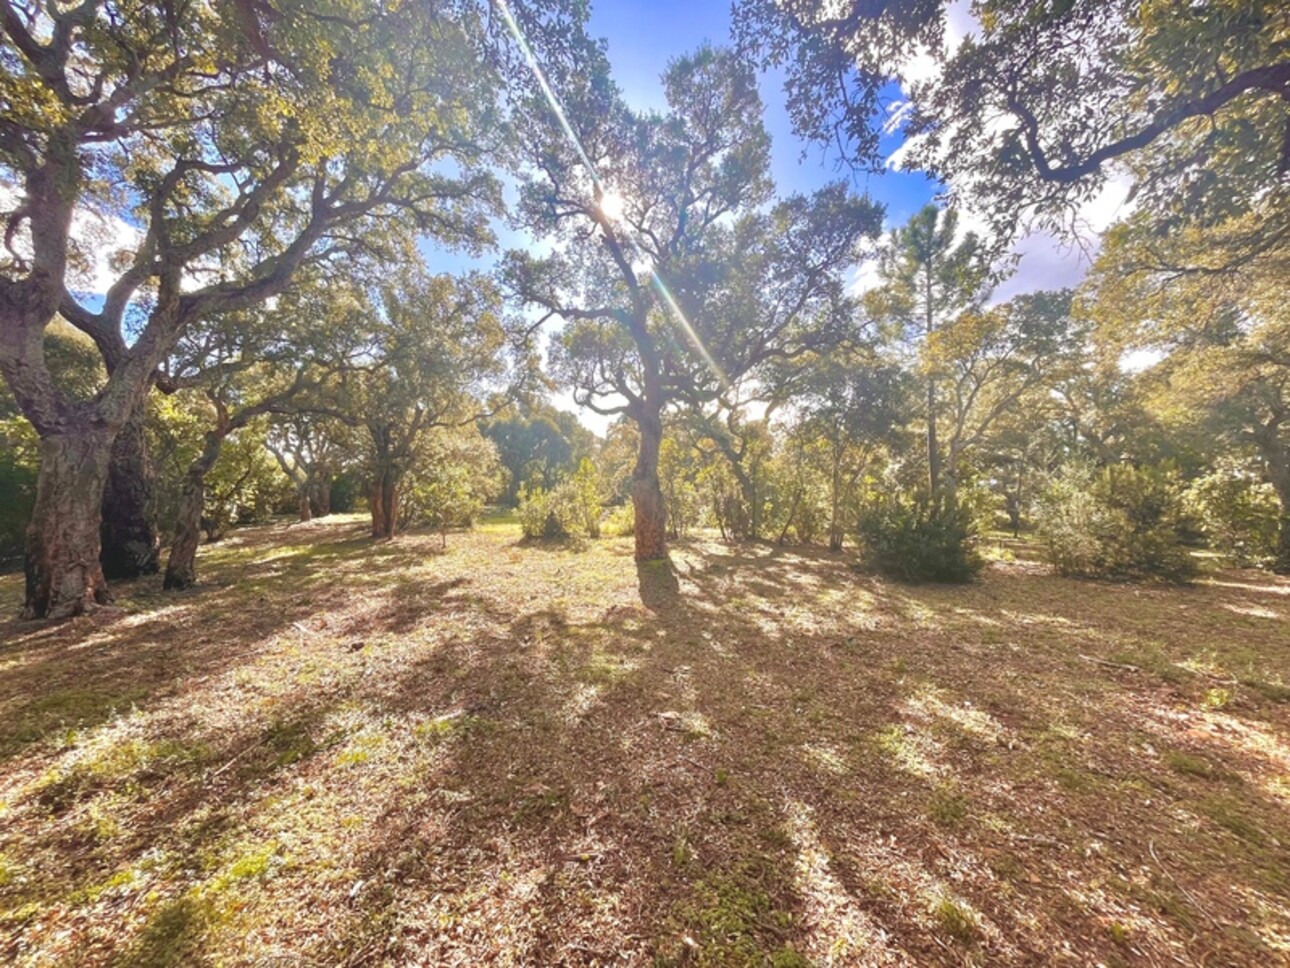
[[456, 474], [915, 540], [569, 510], [1116, 522], [620, 522], [1237, 512], [18, 467]]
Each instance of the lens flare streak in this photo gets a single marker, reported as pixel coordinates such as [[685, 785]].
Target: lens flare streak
[[689, 331], [558, 109]]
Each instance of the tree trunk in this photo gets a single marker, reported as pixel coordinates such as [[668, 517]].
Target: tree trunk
[[130, 547], [390, 502], [1281, 563], [64, 575], [1276, 457], [933, 446], [323, 494], [835, 497], [647, 495], [385, 504], [181, 567], [1281, 485], [375, 505], [306, 509]]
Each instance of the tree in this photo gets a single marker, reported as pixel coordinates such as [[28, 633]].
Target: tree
[[245, 365], [433, 353], [206, 130], [927, 280], [1033, 111], [72, 357], [1224, 341], [666, 244], [855, 404], [997, 361], [456, 474], [538, 446], [309, 449]]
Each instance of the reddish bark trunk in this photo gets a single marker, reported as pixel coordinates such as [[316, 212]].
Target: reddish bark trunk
[[385, 506], [647, 495], [64, 575]]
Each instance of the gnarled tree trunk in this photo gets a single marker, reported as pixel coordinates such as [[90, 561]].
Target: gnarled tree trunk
[[322, 496], [130, 547], [383, 498], [64, 575], [181, 567], [647, 495]]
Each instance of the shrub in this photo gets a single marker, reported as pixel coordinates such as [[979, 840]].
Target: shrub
[[916, 540], [1237, 512], [18, 468], [570, 509], [620, 522], [457, 472], [1116, 522]]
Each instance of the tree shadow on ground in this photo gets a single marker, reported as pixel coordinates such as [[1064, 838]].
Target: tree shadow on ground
[[751, 756]]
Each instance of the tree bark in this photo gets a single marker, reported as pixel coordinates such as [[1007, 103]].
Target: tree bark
[[1279, 471], [64, 575], [322, 493], [933, 446], [181, 567], [130, 547], [647, 495], [835, 500], [306, 509], [1276, 458], [384, 502]]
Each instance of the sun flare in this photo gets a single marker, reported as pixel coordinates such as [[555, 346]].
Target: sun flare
[[611, 205]]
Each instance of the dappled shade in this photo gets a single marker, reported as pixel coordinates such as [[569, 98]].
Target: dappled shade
[[353, 752]]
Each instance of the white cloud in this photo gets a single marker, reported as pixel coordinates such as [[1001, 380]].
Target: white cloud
[[923, 65], [98, 237], [1049, 262]]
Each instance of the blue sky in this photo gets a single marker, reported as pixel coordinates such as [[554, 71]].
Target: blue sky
[[643, 37]]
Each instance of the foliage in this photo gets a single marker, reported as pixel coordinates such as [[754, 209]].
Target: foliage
[[455, 475], [1030, 112], [537, 447], [1237, 511], [620, 522], [678, 471], [572, 509], [1118, 521], [243, 487], [17, 484], [914, 539]]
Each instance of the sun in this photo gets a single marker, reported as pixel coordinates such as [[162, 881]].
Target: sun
[[611, 205]]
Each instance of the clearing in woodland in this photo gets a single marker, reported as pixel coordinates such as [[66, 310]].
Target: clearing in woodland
[[340, 751]]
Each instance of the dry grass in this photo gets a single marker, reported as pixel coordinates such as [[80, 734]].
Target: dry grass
[[341, 752]]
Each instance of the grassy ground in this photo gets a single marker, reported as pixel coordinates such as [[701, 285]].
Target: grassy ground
[[343, 752]]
